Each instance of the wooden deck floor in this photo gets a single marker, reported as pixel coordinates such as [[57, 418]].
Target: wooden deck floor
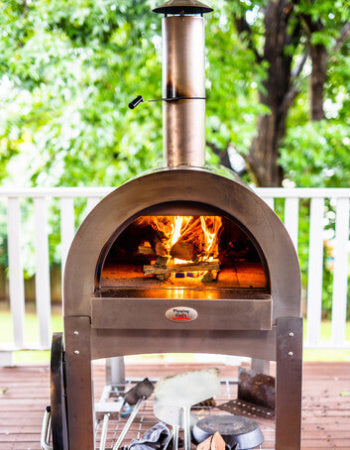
[[24, 393]]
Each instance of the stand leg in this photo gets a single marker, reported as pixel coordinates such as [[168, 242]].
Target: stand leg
[[289, 382], [79, 383], [115, 373]]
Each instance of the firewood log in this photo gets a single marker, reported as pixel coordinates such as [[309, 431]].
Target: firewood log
[[159, 247], [192, 267], [183, 250], [257, 388], [210, 277], [214, 442], [145, 250]]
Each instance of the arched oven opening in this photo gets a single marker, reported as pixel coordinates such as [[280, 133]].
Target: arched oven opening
[[181, 250]]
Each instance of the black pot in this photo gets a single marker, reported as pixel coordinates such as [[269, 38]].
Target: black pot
[[238, 432]]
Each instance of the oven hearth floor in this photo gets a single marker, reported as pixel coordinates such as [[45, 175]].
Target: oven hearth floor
[[326, 407]]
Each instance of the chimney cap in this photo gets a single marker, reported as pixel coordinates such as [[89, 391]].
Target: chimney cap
[[185, 6]]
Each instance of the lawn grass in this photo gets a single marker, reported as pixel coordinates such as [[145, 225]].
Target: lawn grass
[[327, 354], [32, 335]]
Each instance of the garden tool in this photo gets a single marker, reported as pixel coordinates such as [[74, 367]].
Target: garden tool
[[135, 396]]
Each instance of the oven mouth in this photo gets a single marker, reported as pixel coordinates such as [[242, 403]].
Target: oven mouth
[[185, 250]]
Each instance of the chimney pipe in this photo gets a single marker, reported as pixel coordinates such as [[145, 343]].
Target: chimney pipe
[[184, 77]]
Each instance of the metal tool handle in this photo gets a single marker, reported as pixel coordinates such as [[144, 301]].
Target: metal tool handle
[[135, 102], [187, 427], [128, 424], [171, 435], [175, 437], [104, 431], [46, 430]]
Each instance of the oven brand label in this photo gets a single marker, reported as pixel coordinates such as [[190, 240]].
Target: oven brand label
[[181, 314]]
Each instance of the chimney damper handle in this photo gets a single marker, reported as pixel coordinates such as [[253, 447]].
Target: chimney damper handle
[[139, 99]]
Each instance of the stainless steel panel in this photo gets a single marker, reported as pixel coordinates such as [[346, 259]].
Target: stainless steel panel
[[150, 314], [253, 344]]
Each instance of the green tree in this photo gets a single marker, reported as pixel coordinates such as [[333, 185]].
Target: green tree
[[295, 59], [69, 70], [278, 84]]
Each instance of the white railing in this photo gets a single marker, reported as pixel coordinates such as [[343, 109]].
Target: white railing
[[12, 199]]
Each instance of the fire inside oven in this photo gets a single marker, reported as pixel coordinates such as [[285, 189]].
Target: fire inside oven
[[195, 256]]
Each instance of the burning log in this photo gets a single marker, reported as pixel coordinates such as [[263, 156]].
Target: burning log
[[184, 250], [202, 266], [162, 262], [188, 238], [159, 247], [145, 250], [209, 277]]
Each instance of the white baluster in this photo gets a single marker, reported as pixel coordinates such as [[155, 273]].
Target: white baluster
[[291, 218], [340, 277], [42, 272], [67, 228], [314, 288], [16, 282]]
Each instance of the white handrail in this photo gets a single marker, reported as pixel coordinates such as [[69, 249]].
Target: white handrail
[[102, 191], [293, 198], [56, 192], [303, 192]]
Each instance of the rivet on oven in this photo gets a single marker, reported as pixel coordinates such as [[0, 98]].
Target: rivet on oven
[[75, 332], [291, 334], [76, 352], [290, 353]]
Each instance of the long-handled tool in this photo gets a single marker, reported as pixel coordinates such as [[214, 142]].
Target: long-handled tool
[[173, 416], [185, 390], [135, 396]]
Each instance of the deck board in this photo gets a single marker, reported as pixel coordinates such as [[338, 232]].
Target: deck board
[[326, 401]]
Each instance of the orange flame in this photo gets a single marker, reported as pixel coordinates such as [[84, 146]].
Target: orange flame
[[187, 238]]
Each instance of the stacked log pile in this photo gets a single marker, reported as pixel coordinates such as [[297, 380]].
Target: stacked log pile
[[181, 251]]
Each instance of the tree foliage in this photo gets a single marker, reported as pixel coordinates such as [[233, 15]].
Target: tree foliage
[[68, 72], [275, 68], [303, 48]]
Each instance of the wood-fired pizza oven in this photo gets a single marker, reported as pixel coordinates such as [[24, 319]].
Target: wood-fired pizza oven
[[182, 259]]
